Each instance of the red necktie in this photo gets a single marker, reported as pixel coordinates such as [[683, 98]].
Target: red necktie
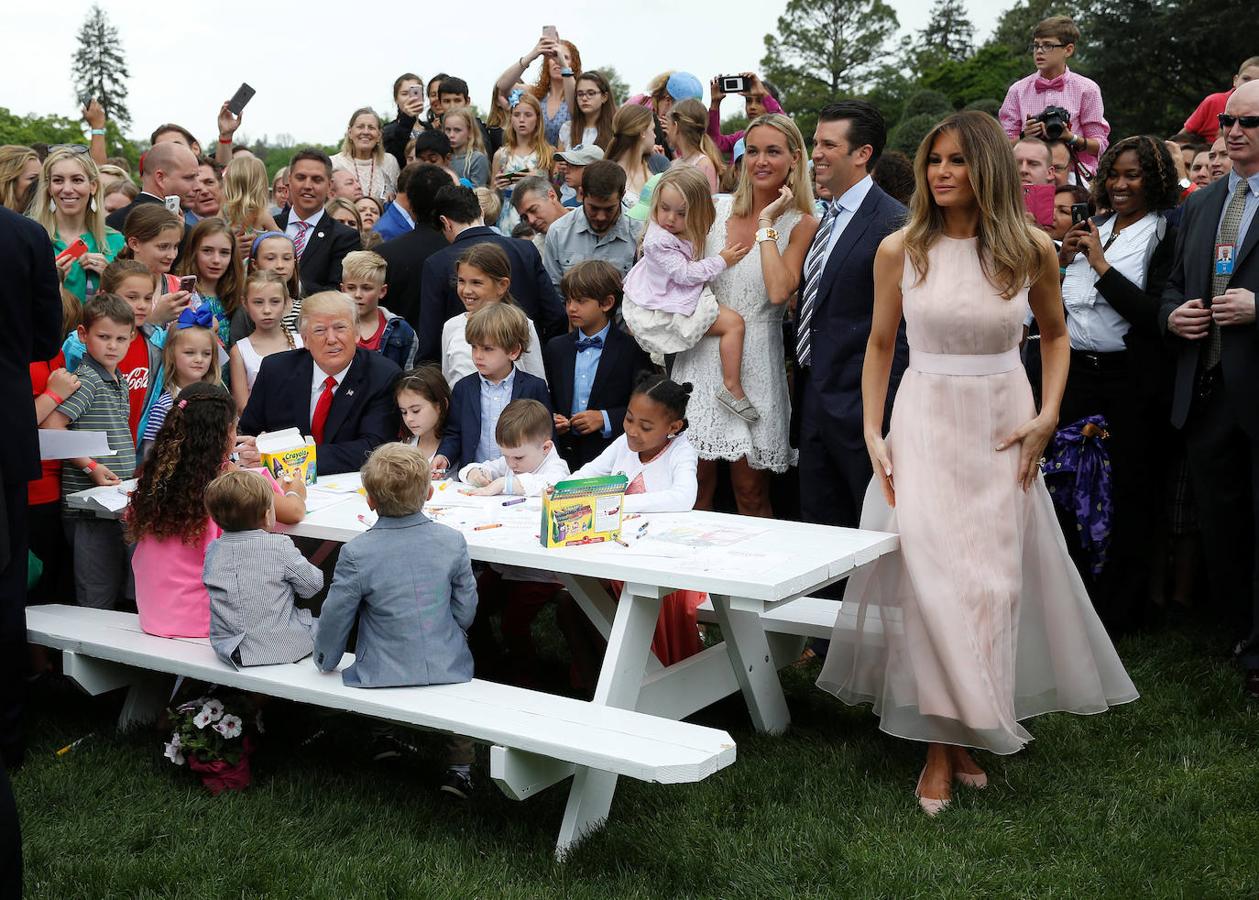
[[321, 409]]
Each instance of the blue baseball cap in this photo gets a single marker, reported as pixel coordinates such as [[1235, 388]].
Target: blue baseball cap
[[739, 150], [684, 86]]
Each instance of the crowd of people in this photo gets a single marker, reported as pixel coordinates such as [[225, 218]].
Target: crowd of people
[[584, 284]]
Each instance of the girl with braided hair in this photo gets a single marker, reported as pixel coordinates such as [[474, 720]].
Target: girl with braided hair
[[1115, 266], [167, 518]]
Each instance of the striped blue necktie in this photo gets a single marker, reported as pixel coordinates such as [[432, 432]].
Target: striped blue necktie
[[814, 264]]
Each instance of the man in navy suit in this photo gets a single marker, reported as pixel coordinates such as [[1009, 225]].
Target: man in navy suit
[[337, 392], [321, 240], [30, 302], [459, 213], [592, 369], [833, 316]]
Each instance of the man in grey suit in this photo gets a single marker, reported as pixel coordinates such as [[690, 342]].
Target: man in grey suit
[[408, 582]]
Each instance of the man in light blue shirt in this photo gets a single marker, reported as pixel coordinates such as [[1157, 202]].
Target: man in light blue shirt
[[598, 230]]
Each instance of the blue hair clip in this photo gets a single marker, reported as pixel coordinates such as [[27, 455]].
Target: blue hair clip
[[514, 97], [253, 250], [201, 317]]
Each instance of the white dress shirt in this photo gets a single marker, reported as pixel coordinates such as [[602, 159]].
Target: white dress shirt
[[1093, 324], [317, 378], [848, 203]]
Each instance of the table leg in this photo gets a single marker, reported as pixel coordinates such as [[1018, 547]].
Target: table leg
[[753, 665], [620, 680]]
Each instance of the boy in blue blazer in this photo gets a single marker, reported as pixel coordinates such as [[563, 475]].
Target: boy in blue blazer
[[498, 334], [592, 369], [408, 582]]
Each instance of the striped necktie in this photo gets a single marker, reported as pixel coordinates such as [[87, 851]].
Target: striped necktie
[[1229, 226], [299, 242], [814, 264]]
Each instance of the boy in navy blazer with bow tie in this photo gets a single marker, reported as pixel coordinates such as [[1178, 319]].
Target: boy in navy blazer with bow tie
[[592, 369], [498, 335]]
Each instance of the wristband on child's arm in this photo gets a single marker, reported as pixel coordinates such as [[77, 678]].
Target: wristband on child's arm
[[55, 399], [90, 467]]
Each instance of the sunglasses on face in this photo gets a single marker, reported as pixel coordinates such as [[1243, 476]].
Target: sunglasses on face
[[1227, 121], [73, 148]]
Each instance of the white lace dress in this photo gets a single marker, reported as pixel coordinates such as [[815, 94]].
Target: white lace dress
[[715, 432]]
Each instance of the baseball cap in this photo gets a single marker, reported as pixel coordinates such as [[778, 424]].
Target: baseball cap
[[739, 150], [581, 155], [684, 86]]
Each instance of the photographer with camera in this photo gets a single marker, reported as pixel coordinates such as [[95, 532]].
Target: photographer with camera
[[1055, 103], [759, 98]]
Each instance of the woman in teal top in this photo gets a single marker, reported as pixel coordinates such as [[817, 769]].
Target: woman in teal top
[[70, 204]]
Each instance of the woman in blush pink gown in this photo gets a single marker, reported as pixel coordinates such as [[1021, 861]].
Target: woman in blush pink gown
[[980, 621]]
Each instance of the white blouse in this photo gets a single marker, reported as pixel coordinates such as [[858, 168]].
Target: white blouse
[[669, 481], [1093, 324]]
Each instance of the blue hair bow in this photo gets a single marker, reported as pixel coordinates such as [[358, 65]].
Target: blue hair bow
[[514, 97], [201, 317]]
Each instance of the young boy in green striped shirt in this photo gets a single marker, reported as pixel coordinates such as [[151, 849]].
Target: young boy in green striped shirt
[[102, 403]]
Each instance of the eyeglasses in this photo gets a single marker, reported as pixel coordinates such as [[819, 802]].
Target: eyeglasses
[[73, 148], [586, 95], [1045, 48], [1227, 121]]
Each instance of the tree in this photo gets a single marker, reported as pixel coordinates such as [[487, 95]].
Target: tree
[[620, 88], [100, 70], [987, 74], [948, 36], [823, 49], [33, 129]]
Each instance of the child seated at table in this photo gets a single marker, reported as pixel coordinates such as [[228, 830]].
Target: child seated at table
[[529, 465], [498, 335], [408, 583], [661, 466], [167, 517], [253, 575]]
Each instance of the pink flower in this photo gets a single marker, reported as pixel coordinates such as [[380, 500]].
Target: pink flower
[[215, 708], [229, 726]]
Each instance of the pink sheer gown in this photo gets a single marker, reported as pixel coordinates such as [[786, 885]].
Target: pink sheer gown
[[980, 621]]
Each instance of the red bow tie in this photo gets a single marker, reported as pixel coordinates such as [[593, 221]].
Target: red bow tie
[[1055, 84]]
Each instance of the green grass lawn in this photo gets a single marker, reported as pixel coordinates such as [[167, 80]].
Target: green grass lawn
[[1153, 799]]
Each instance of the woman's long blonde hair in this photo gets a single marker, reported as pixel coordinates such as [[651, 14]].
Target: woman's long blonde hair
[[797, 178], [690, 117], [1009, 251], [539, 145], [93, 220], [13, 159], [347, 146], [245, 192], [701, 212]]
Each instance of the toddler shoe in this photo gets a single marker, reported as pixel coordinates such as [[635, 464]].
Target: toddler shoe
[[457, 784], [742, 408]]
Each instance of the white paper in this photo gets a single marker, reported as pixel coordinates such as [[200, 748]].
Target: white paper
[[318, 498], [348, 483], [113, 498], [59, 443]]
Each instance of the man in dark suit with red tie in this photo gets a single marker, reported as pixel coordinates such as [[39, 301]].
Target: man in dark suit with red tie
[[1208, 314], [333, 390], [319, 240]]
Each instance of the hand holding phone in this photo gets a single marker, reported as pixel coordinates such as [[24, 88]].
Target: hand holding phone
[[74, 251], [243, 95], [173, 204], [1079, 213], [188, 283]]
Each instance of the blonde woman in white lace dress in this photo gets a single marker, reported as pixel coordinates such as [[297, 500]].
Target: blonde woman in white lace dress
[[773, 209]]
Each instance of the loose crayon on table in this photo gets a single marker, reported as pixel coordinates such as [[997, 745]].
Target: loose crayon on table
[[514, 502], [488, 527]]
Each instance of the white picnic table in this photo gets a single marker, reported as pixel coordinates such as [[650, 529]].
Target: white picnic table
[[749, 568]]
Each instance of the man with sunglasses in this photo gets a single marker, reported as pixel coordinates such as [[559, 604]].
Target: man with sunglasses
[[1208, 314], [1053, 84]]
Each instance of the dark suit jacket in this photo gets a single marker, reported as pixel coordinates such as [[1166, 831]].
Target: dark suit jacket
[[30, 301], [1191, 279], [531, 288], [118, 217], [326, 246], [620, 364], [363, 415], [840, 326], [463, 424], [406, 255]]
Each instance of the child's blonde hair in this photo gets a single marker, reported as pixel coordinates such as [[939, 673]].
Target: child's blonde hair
[[476, 143], [523, 422], [238, 500], [690, 117], [491, 204], [259, 277], [364, 265], [692, 184], [396, 478], [173, 338], [120, 270], [498, 325], [538, 144], [245, 188]]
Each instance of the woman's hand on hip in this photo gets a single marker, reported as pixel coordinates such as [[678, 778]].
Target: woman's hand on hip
[[1031, 437]]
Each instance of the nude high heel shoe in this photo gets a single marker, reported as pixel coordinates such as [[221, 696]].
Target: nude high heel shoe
[[976, 781], [930, 805]]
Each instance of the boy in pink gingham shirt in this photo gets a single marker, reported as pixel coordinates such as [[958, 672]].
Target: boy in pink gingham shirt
[[1053, 84]]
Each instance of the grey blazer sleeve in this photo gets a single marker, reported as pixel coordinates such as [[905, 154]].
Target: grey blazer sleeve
[[463, 595], [340, 609]]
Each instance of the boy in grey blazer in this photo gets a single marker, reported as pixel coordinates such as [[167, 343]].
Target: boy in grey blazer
[[408, 582], [252, 575]]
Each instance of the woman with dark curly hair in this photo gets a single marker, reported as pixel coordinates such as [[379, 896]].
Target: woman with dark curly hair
[[1115, 266], [167, 518]]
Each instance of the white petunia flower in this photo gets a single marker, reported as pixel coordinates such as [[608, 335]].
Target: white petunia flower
[[173, 750], [216, 709], [229, 727], [202, 719]]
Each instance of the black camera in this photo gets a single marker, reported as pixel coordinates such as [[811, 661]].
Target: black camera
[[1056, 120], [733, 84]]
